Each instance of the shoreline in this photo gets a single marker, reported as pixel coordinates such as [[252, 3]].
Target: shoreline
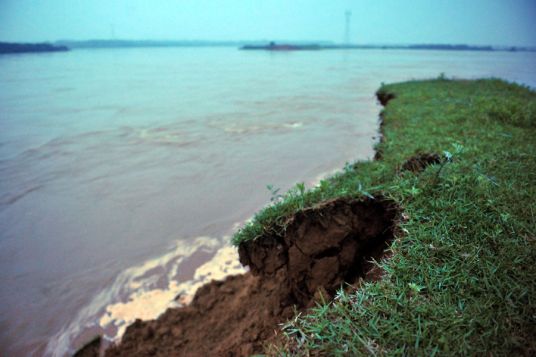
[[301, 249], [178, 274], [98, 344], [119, 315], [214, 256], [237, 315]]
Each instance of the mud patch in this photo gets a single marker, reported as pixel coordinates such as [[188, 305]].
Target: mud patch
[[322, 247], [384, 97], [419, 162]]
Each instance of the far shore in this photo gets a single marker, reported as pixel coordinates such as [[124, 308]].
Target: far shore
[[10, 48]]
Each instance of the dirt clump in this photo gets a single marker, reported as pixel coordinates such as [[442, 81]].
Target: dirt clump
[[419, 162], [321, 248], [384, 97]]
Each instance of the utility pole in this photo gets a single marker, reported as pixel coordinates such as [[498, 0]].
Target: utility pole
[[348, 15]]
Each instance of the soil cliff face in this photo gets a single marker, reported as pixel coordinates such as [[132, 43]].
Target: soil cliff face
[[321, 248]]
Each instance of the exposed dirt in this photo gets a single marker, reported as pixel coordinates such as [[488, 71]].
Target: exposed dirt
[[321, 248], [419, 162], [384, 97]]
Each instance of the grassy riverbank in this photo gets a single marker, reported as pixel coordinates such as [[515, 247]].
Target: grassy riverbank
[[461, 279]]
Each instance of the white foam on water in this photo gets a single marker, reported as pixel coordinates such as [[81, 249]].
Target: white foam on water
[[136, 294]]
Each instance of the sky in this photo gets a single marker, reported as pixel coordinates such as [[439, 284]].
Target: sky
[[475, 22]]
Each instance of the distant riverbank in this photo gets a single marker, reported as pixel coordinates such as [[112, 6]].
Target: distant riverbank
[[7, 47], [289, 45]]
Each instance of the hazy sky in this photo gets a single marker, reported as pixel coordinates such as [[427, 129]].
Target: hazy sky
[[496, 22]]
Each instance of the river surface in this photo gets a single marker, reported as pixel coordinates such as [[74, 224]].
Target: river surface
[[123, 172]]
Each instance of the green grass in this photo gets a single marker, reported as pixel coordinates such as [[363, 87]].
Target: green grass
[[462, 279]]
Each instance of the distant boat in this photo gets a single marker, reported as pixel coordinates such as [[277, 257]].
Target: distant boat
[[272, 46]]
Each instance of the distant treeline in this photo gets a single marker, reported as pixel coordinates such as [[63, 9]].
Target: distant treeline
[[451, 47], [6, 47]]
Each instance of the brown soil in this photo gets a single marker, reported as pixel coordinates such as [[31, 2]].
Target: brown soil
[[419, 162], [322, 247], [384, 97]]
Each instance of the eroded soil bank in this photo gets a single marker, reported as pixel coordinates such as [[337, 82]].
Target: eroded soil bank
[[321, 248]]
